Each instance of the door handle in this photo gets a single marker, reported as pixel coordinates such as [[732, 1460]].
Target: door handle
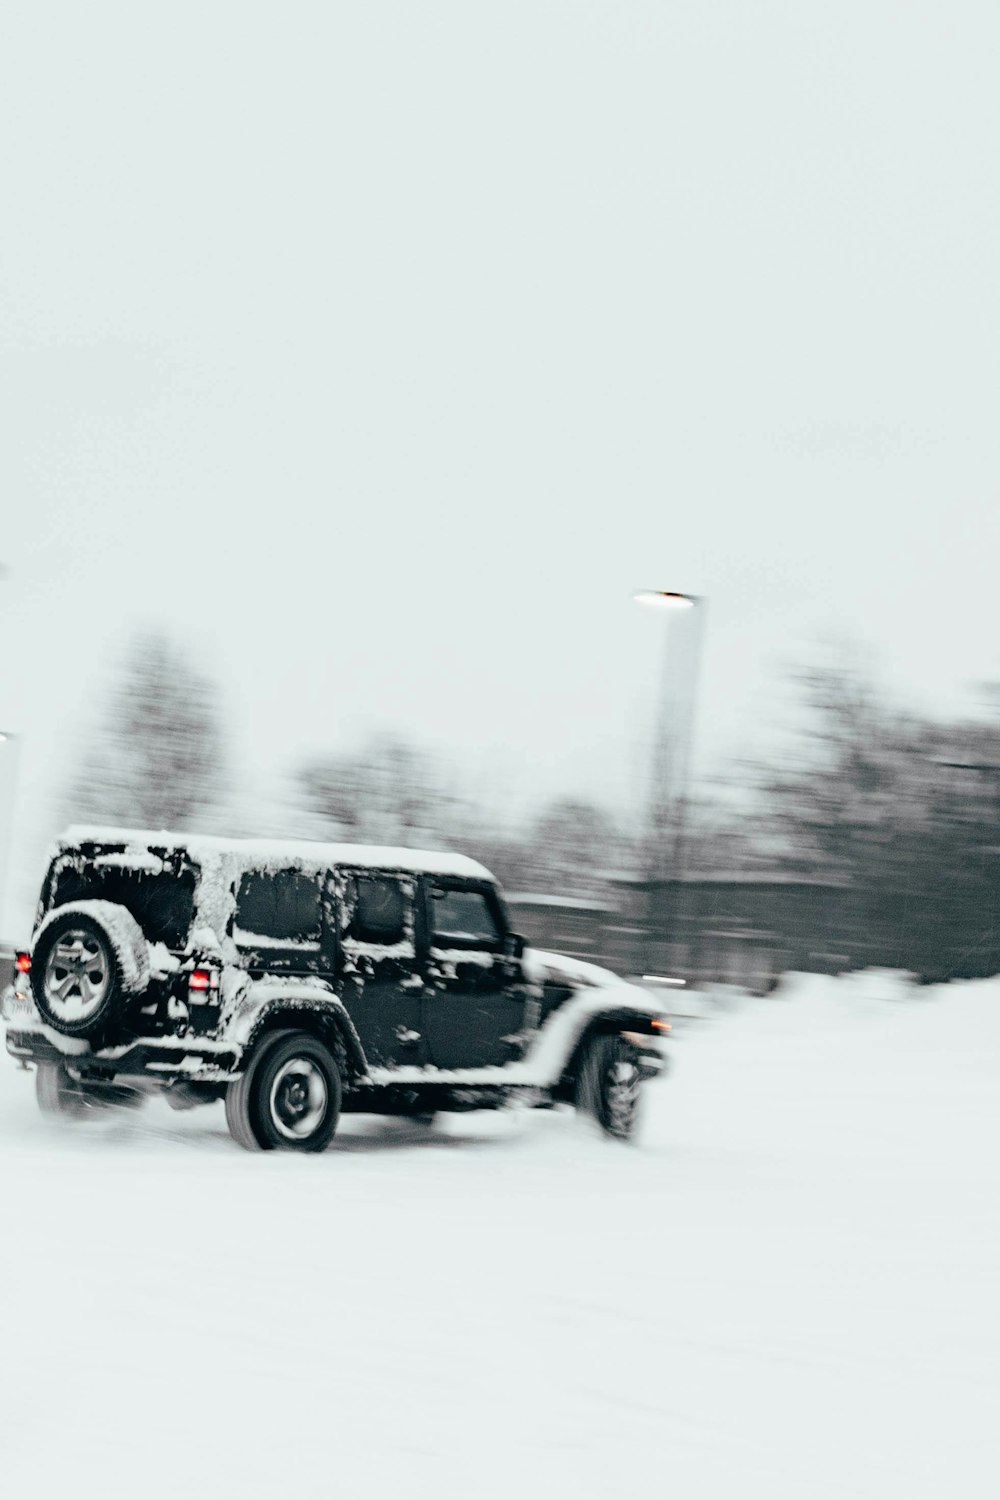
[[406, 1037]]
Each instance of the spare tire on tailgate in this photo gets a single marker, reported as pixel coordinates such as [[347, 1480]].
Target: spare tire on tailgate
[[88, 959]]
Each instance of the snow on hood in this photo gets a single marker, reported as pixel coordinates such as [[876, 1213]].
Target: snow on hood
[[542, 966]]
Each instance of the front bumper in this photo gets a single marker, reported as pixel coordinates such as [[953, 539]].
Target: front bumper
[[652, 1062]]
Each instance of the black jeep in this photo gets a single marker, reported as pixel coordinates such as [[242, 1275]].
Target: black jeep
[[299, 980]]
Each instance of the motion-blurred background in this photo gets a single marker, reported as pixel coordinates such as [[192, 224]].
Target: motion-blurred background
[[360, 362]]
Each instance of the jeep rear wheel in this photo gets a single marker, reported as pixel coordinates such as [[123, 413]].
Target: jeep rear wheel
[[608, 1085], [59, 1096], [289, 1097]]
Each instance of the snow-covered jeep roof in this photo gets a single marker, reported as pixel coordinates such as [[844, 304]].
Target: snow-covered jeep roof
[[139, 843]]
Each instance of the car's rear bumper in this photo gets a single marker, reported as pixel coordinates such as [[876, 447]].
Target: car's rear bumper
[[154, 1060]]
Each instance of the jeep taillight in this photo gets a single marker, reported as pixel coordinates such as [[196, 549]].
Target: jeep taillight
[[22, 963], [203, 979]]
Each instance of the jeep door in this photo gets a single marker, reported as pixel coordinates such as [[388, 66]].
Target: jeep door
[[475, 1004], [378, 978]]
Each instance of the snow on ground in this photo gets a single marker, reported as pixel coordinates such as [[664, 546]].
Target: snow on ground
[[789, 1289]]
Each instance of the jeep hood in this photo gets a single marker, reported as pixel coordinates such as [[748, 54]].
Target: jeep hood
[[556, 968]]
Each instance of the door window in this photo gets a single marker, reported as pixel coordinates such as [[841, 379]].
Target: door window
[[462, 919], [375, 910]]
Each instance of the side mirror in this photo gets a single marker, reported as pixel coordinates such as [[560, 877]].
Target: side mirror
[[514, 945]]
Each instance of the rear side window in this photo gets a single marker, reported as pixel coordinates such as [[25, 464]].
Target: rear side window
[[375, 909], [161, 899], [281, 906]]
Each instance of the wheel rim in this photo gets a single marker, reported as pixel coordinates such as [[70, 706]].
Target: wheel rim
[[298, 1098], [77, 976], [621, 1093]]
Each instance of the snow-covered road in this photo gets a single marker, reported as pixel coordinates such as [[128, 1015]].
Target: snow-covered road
[[788, 1289]]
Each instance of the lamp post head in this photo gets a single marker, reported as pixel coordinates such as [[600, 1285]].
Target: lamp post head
[[665, 599]]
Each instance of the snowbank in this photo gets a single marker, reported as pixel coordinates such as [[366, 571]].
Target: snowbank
[[787, 1290]]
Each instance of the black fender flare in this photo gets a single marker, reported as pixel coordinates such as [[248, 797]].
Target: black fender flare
[[605, 1023], [326, 1019]]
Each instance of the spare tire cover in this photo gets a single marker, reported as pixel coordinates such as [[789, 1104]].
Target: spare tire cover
[[88, 959]]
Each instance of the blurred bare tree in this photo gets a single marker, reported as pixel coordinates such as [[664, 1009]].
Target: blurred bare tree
[[574, 847], [903, 812], [728, 837], [156, 757], [391, 792], [387, 793], [835, 804]]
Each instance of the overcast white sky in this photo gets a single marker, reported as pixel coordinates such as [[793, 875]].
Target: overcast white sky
[[381, 350]]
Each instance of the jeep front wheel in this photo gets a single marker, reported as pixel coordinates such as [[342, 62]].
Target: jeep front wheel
[[289, 1097], [608, 1085]]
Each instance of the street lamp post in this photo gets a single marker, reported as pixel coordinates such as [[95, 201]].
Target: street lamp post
[[670, 771]]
